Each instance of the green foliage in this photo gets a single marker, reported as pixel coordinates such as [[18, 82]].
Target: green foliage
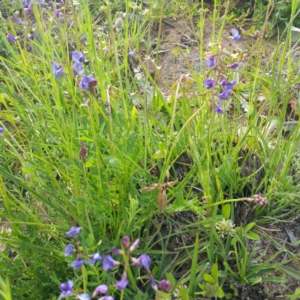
[[5, 289], [286, 12], [295, 296], [144, 148], [280, 14], [210, 286]]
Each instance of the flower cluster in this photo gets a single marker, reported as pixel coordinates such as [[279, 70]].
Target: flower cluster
[[109, 262], [87, 82], [28, 12], [67, 290], [225, 227], [225, 86], [259, 200]]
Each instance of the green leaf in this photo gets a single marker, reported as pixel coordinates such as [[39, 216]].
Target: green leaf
[[234, 275], [171, 279], [90, 240], [249, 226], [274, 279], [133, 115], [295, 296], [90, 163], [252, 236], [184, 294], [214, 272], [254, 281], [220, 292], [192, 284], [289, 271], [86, 139], [163, 296], [226, 211], [209, 278]]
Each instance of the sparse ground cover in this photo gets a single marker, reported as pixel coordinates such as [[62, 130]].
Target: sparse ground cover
[[149, 150]]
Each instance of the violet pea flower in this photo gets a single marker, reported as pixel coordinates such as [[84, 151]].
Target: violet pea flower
[[87, 81], [100, 289], [211, 62], [77, 57], [67, 289], [109, 262], [57, 69], [209, 83], [69, 250], [219, 109], [11, 38], [95, 258], [235, 65], [121, 285], [78, 263], [74, 231], [235, 34], [225, 93]]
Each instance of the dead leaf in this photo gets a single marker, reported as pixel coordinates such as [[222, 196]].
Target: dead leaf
[[162, 195]]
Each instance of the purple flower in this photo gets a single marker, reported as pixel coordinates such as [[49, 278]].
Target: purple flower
[[77, 57], [83, 151], [235, 34], [153, 284], [11, 38], [230, 85], [144, 260], [109, 262], [17, 21], [74, 231], [211, 62], [69, 249], [164, 286], [67, 289], [25, 3], [126, 241], [223, 81], [107, 298], [58, 14], [260, 200], [1, 130], [121, 285], [95, 258], [57, 70], [78, 263], [132, 54], [234, 65], [219, 109], [117, 251], [83, 297], [100, 289], [39, 2], [87, 81], [28, 10], [225, 93], [209, 83], [134, 245]]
